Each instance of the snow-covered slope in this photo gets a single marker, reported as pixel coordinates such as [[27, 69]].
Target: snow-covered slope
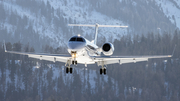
[[69, 11], [52, 74], [49, 19], [171, 10]]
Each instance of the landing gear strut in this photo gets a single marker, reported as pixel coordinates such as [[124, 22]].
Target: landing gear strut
[[103, 68], [74, 56]]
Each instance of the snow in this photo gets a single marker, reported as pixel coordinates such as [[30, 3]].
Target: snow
[[86, 76], [7, 76], [82, 15], [40, 25], [178, 2], [18, 62], [76, 12], [134, 3], [140, 91], [73, 11], [10, 28], [92, 75], [8, 80], [125, 92], [170, 10], [166, 85], [19, 83], [120, 0], [56, 73]]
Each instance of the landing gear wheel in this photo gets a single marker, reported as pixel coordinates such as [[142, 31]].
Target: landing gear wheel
[[75, 62], [104, 71], [101, 71], [71, 70], [67, 69]]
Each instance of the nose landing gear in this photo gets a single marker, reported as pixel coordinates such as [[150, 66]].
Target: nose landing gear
[[68, 66], [74, 56], [103, 70], [74, 62]]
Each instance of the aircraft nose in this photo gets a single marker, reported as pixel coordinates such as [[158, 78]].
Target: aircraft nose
[[72, 45]]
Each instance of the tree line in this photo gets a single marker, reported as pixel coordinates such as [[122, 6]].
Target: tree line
[[157, 79]]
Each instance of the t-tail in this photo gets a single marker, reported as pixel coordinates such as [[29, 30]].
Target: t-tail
[[96, 30]]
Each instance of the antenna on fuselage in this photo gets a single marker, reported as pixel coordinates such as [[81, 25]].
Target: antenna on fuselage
[[96, 28]]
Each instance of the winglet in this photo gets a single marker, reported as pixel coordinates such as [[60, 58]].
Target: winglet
[[5, 47], [173, 50]]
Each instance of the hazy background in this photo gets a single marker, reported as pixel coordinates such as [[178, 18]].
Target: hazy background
[[41, 22], [41, 26]]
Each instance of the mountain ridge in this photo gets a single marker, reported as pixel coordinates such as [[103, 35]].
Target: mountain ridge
[[45, 22]]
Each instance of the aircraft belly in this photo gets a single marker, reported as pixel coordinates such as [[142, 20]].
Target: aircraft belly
[[85, 60]]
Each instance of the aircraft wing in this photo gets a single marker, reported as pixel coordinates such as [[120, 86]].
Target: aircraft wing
[[124, 59], [44, 56]]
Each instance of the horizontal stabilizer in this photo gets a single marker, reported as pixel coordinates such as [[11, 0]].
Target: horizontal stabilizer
[[97, 25]]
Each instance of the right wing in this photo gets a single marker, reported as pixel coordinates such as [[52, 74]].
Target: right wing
[[43, 56]]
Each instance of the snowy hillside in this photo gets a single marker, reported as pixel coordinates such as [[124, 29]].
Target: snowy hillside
[[71, 13], [53, 74], [171, 10], [45, 22]]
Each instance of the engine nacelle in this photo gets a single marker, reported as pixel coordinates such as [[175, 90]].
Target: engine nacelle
[[108, 49]]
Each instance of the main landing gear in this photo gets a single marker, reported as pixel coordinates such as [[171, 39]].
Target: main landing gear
[[69, 70], [68, 66], [103, 70]]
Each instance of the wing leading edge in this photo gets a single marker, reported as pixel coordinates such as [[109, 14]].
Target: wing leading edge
[[44, 56], [105, 60]]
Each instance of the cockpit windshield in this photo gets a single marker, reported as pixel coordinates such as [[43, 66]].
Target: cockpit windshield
[[78, 39], [73, 39]]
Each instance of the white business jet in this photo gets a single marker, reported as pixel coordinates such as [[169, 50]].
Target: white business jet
[[82, 51]]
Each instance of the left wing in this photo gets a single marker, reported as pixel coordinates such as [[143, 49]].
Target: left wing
[[105, 60]]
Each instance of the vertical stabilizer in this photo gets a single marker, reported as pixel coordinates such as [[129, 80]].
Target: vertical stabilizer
[[96, 33]]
